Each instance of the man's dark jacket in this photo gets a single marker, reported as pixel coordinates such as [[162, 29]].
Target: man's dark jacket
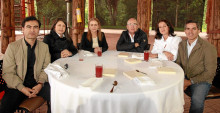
[[125, 44]]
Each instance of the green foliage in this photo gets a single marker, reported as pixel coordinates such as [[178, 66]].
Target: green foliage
[[86, 12], [187, 9], [121, 17], [130, 10], [178, 28], [101, 12], [51, 9], [204, 25], [17, 1], [125, 10], [113, 27], [162, 9]]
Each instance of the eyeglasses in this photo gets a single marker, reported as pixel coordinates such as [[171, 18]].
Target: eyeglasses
[[132, 24]]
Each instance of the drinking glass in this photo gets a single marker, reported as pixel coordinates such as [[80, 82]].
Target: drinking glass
[[146, 55], [81, 55], [98, 70], [99, 53]]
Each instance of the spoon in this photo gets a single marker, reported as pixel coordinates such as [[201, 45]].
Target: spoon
[[141, 72], [114, 84]]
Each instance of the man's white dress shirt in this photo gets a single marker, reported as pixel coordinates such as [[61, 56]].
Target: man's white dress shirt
[[132, 38], [190, 47]]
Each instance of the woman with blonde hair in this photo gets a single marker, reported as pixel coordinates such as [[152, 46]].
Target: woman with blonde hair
[[94, 38]]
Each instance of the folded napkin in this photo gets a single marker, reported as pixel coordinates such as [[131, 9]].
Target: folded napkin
[[56, 70], [109, 72], [166, 70], [91, 83], [132, 61], [138, 56], [132, 74], [144, 80], [88, 53], [123, 54], [156, 63]]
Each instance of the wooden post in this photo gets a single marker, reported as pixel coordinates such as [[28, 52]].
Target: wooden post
[[177, 8], [213, 23], [32, 8], [7, 23], [91, 9], [22, 9], [78, 28], [31, 11], [28, 7], [144, 15]]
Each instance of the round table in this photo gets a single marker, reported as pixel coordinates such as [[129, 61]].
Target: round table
[[166, 96]]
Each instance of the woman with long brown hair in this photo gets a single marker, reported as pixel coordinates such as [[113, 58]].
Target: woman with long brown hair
[[59, 42], [94, 38]]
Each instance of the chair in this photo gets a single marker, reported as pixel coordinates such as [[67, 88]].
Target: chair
[[216, 81], [30, 104], [214, 92], [2, 81]]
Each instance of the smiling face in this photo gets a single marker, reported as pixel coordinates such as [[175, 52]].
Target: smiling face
[[132, 25], [163, 28], [60, 27], [31, 29], [93, 26], [191, 31]]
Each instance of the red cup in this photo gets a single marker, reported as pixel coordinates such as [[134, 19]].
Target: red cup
[[98, 70], [99, 53], [146, 55]]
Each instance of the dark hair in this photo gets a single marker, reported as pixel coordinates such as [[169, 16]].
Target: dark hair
[[192, 21], [66, 30], [171, 29], [30, 18]]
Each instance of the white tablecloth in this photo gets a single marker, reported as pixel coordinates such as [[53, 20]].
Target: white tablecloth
[[166, 96]]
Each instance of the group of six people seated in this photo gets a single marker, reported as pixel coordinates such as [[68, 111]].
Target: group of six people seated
[[197, 57]]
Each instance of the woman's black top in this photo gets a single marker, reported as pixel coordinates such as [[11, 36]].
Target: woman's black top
[[57, 45], [87, 45]]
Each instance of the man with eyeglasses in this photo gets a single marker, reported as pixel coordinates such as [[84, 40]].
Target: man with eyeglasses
[[23, 68], [134, 39]]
